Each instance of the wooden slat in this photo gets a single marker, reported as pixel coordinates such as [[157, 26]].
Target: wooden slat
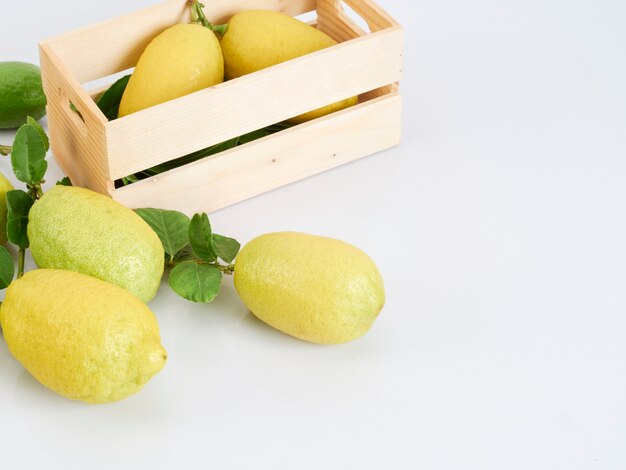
[[109, 47], [78, 144], [232, 176], [376, 18], [333, 21], [176, 128]]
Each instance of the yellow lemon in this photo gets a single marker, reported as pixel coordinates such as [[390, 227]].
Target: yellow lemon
[[84, 338], [257, 39], [183, 59], [314, 288], [80, 230]]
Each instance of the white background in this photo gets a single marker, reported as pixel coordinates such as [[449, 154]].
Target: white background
[[499, 225]]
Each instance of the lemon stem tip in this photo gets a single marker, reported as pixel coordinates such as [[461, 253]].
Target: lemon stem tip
[[198, 17]]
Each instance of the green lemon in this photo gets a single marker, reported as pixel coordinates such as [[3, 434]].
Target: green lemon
[[5, 186], [21, 94], [314, 288], [80, 230], [84, 338]]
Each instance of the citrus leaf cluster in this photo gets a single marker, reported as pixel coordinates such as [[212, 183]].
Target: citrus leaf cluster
[[193, 252]]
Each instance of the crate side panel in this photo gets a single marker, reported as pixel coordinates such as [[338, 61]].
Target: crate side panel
[[109, 47], [78, 143], [244, 172], [170, 130]]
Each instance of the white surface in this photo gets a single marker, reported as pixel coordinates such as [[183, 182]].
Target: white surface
[[500, 228]]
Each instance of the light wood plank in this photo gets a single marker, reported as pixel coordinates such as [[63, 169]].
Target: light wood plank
[[376, 18], [232, 176], [109, 47], [78, 144], [176, 128], [333, 21]]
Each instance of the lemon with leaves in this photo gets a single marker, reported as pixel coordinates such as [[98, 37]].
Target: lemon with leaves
[[84, 338], [314, 288]]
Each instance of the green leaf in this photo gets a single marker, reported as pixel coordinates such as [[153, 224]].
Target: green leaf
[[186, 254], [7, 268], [172, 227], [196, 282], [75, 109], [252, 136], [109, 102], [201, 239], [18, 207], [65, 181], [225, 248], [29, 155], [44, 137]]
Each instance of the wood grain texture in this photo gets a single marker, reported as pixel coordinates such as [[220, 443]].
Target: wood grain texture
[[112, 46], [175, 128], [94, 152], [243, 172], [333, 21], [78, 143], [376, 18]]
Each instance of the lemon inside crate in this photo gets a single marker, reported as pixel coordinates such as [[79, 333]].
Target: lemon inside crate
[[221, 145]]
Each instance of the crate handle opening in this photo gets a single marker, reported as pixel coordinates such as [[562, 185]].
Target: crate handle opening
[[73, 113]]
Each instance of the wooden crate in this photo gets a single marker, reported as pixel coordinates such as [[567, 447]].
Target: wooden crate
[[95, 152]]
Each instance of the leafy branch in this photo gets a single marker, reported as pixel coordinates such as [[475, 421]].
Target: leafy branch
[[197, 257], [28, 160]]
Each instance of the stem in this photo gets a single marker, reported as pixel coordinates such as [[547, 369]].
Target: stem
[[5, 150], [20, 263], [228, 270], [198, 17], [35, 191]]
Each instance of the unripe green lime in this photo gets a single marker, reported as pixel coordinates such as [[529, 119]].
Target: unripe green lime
[[21, 94]]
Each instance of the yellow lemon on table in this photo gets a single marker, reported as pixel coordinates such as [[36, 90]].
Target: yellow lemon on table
[[257, 39], [183, 59], [314, 288], [84, 338]]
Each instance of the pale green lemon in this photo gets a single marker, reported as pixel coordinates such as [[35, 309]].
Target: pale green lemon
[[84, 338], [314, 288], [80, 230]]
